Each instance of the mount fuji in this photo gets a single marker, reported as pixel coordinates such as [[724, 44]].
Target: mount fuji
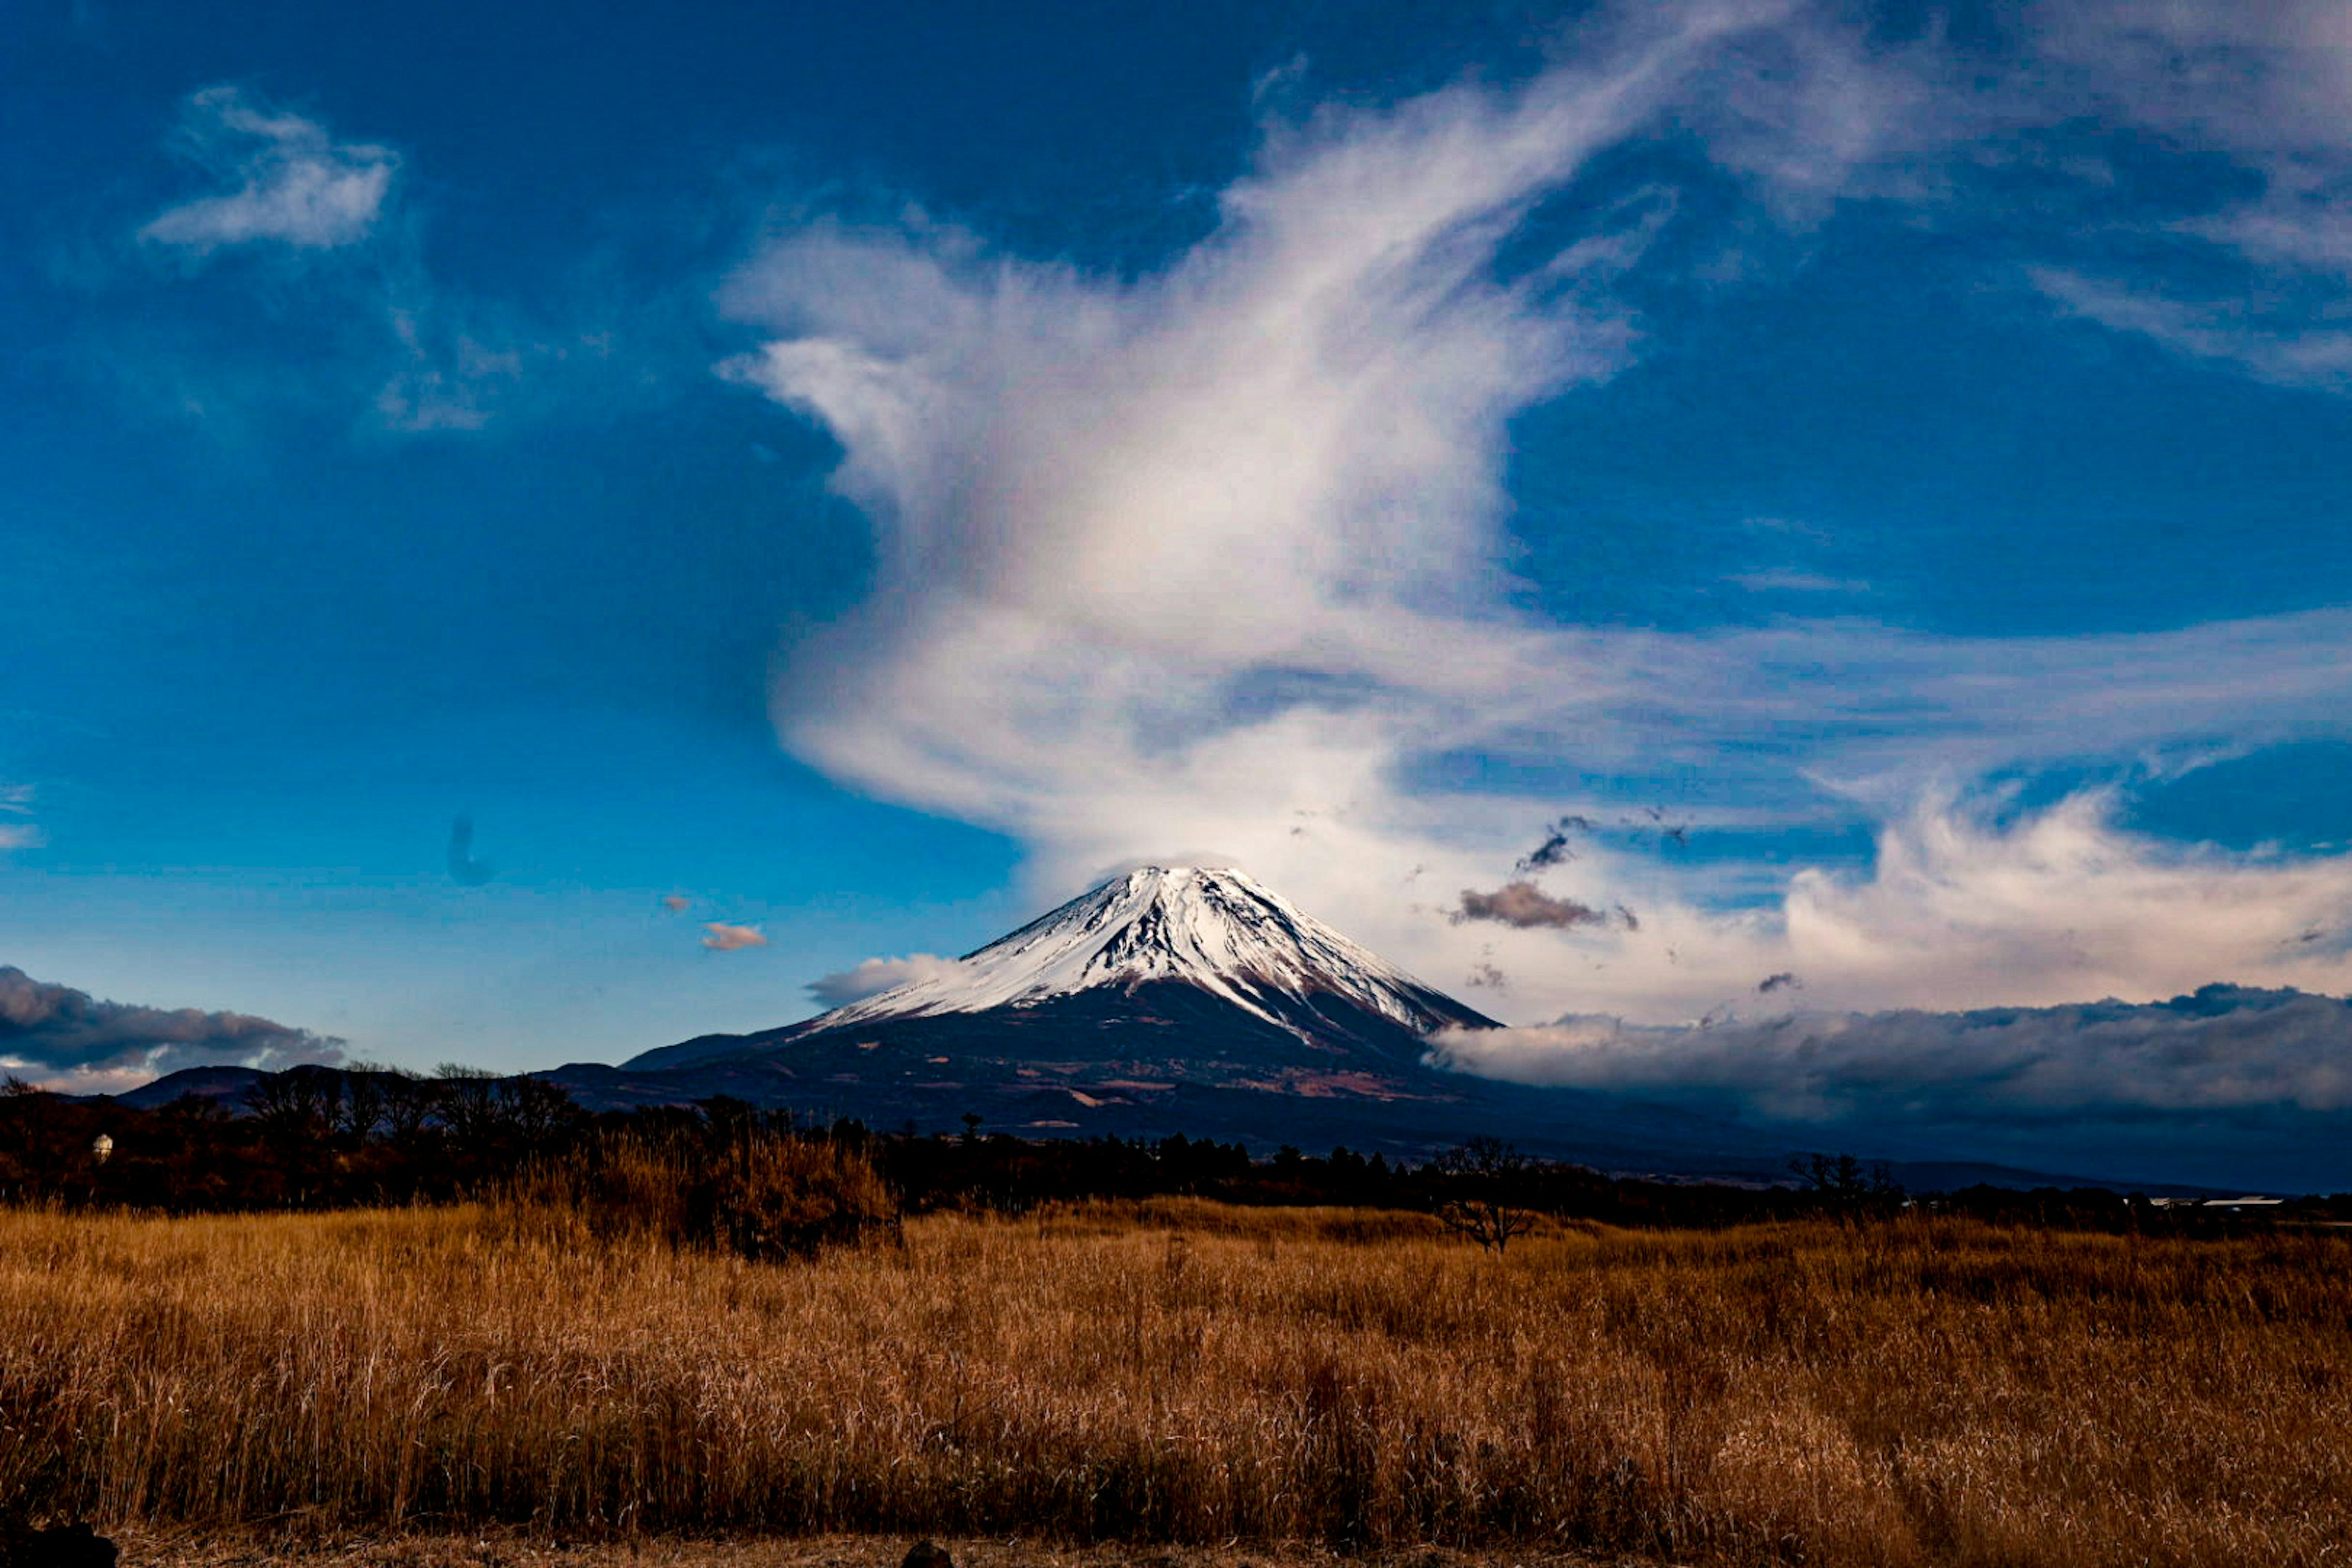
[[1202, 970], [1170, 999]]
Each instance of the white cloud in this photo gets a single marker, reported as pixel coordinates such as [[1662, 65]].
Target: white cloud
[[1964, 904], [16, 800], [1214, 555], [398, 348], [290, 182], [456, 364], [721, 937], [875, 975], [2060, 905], [1794, 580]]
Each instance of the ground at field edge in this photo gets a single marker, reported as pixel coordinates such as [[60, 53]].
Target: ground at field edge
[[283, 1548]]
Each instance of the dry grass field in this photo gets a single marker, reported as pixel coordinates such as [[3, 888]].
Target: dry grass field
[[1915, 1392]]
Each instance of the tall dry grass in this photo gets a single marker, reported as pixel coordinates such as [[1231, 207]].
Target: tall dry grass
[[1922, 1391]]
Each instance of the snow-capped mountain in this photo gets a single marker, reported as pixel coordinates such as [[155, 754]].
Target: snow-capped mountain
[[1184, 964], [1212, 927], [1173, 999]]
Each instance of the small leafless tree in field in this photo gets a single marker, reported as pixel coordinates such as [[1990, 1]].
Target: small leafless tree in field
[[1479, 1192]]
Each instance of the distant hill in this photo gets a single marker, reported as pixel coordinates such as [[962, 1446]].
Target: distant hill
[[228, 1084]]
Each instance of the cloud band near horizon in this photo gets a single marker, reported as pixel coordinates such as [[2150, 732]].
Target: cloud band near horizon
[[70, 1039]]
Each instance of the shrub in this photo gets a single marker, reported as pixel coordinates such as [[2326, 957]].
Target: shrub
[[754, 1191]]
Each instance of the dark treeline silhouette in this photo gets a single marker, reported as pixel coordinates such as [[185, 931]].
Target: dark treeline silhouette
[[315, 1138], [309, 1137]]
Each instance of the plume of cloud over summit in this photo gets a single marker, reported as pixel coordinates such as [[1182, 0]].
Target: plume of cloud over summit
[[1203, 555], [1215, 554], [73, 1040]]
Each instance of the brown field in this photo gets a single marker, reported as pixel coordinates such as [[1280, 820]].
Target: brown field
[[1921, 1391]]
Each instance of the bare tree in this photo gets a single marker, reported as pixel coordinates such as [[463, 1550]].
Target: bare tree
[[534, 1110], [363, 1106], [407, 1103], [1478, 1191], [466, 1102], [1846, 1182], [298, 1105]]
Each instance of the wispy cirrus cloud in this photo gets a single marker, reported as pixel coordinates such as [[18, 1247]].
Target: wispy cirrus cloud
[[1795, 580], [335, 263], [2191, 162], [16, 808], [2249, 271], [287, 180]]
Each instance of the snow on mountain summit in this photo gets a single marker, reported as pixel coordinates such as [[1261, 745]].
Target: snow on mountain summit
[[1213, 928]]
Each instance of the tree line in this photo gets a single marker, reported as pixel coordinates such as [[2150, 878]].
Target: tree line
[[317, 1137]]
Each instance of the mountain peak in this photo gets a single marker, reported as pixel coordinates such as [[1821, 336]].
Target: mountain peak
[[1213, 928]]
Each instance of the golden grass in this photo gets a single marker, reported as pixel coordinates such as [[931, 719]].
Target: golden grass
[[1927, 1391]]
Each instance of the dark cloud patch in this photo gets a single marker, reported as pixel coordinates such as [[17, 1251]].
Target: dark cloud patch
[[1485, 976], [464, 869], [1555, 849], [1526, 906], [1784, 981], [56, 1029], [1653, 819]]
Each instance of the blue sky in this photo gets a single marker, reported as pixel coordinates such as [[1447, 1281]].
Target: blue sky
[[851, 474]]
